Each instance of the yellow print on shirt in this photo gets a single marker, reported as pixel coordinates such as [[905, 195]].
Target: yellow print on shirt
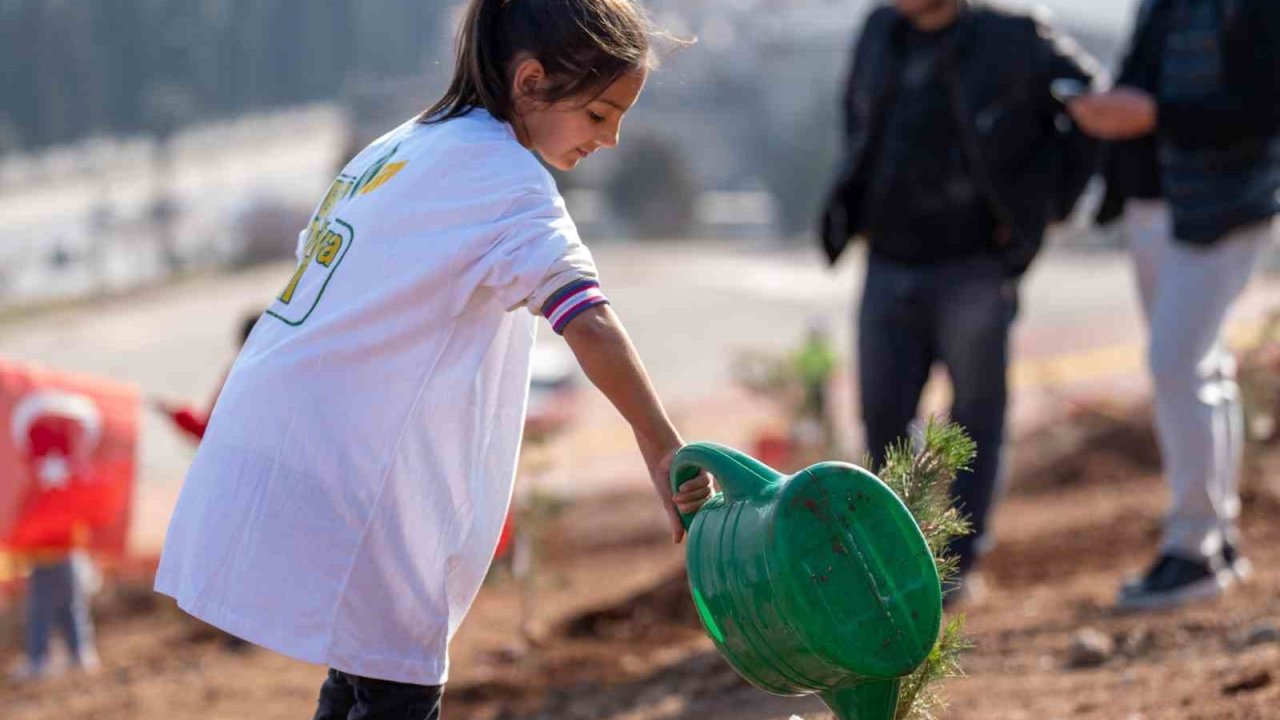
[[383, 175], [325, 251], [327, 241], [322, 248]]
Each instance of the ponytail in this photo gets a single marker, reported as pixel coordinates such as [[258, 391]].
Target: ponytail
[[584, 45]]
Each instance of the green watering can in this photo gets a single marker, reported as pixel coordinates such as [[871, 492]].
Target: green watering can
[[819, 582]]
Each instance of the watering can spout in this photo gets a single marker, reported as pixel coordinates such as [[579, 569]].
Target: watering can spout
[[870, 700]]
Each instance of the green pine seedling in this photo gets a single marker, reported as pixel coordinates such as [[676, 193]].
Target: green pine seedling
[[922, 477]]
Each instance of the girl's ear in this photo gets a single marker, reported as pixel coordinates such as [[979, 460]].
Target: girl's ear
[[527, 81]]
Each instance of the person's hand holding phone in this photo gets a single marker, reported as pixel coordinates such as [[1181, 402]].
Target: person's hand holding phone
[[1123, 113], [1064, 90]]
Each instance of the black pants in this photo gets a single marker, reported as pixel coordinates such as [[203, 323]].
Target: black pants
[[959, 314], [350, 697]]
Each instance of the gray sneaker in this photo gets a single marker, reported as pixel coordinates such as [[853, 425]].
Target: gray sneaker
[[1173, 581]]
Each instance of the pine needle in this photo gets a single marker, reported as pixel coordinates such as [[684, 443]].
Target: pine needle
[[922, 477]]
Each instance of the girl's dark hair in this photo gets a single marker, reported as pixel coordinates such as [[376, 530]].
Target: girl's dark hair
[[584, 46]]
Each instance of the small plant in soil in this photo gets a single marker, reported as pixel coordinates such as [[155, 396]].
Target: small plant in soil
[[921, 474]]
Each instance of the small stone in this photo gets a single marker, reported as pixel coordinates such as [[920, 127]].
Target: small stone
[[1090, 648], [1137, 642], [1249, 683], [632, 664], [1264, 633]]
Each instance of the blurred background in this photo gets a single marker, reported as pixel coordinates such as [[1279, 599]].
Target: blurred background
[[158, 157], [186, 134], [146, 142]]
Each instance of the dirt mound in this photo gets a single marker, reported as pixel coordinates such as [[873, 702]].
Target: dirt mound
[[1097, 442], [651, 615]]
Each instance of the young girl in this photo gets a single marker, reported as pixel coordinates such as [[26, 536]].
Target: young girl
[[345, 502]]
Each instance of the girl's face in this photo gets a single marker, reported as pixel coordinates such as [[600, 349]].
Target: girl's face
[[565, 132]]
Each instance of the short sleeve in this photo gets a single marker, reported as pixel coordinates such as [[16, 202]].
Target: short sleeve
[[539, 261], [570, 301]]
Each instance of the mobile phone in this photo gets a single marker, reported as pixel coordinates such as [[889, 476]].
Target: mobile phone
[[1067, 89]]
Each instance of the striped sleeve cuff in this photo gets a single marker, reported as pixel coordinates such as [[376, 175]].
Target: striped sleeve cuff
[[570, 301]]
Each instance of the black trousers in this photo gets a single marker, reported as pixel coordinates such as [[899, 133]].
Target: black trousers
[[351, 697]]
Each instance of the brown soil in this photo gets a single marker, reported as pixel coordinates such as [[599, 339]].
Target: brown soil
[[615, 636]]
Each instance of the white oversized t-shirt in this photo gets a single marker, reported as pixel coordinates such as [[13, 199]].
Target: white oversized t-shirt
[[345, 503]]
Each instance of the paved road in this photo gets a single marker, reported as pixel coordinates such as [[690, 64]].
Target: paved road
[[690, 308]]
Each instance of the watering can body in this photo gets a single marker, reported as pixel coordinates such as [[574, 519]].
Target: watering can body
[[818, 582]]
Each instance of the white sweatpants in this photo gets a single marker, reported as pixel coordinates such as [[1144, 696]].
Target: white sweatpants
[[1186, 292]]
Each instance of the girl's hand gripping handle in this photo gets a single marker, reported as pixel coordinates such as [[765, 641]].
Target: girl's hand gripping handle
[[739, 476]]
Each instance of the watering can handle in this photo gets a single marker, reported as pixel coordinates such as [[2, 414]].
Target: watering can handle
[[739, 476]]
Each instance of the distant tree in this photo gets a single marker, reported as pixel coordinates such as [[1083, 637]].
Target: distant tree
[[75, 67], [797, 167], [652, 190], [10, 136]]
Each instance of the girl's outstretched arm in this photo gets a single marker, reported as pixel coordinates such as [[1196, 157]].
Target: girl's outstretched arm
[[608, 358]]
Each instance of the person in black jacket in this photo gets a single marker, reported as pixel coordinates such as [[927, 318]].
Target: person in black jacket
[[956, 159], [1195, 175]]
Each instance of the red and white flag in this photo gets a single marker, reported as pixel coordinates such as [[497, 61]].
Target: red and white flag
[[67, 460]]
